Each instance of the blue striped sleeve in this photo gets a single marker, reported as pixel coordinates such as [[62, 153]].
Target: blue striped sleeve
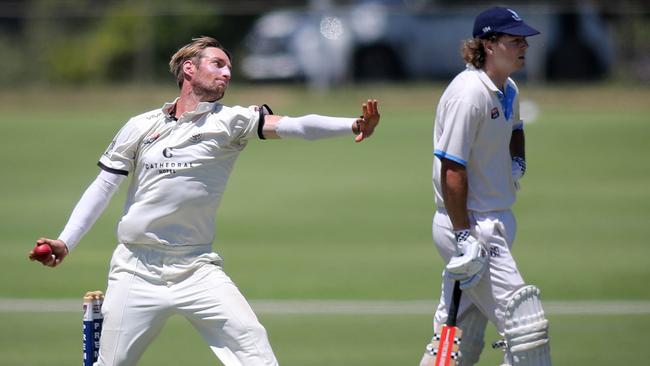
[[443, 155]]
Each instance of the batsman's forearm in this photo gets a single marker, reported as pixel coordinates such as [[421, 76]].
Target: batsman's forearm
[[454, 191], [518, 144]]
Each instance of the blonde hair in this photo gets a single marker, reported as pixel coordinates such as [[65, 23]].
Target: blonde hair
[[191, 51], [473, 50]]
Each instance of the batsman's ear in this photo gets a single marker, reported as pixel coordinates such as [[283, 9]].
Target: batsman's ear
[[488, 45]]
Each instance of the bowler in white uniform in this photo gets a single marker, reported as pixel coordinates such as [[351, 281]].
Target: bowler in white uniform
[[479, 159], [179, 158]]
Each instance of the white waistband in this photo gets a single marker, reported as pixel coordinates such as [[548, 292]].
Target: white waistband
[[166, 248]]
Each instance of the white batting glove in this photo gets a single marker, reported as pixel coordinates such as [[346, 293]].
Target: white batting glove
[[470, 261], [518, 169]]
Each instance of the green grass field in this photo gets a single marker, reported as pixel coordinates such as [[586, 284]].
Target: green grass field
[[337, 220]]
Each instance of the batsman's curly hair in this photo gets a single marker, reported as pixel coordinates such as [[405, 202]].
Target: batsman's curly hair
[[473, 50]]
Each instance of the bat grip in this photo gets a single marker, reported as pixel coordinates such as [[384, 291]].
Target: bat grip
[[453, 307]]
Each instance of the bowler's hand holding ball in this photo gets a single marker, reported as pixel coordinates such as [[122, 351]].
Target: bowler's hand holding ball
[[42, 253], [49, 252]]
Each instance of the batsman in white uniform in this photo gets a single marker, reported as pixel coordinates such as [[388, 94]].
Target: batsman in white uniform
[[179, 158], [479, 159]]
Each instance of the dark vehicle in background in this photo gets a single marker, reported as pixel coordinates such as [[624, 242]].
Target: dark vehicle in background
[[389, 40]]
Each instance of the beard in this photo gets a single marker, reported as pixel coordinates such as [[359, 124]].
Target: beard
[[208, 94]]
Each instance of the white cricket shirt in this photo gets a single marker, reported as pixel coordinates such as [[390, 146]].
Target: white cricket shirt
[[473, 125], [180, 170]]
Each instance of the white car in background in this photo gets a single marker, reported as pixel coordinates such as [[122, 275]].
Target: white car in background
[[389, 40]]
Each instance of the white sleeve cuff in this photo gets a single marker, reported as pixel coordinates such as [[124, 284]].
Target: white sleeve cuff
[[90, 207], [314, 127]]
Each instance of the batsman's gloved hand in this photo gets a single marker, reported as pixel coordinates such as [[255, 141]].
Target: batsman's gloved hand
[[518, 169], [469, 262]]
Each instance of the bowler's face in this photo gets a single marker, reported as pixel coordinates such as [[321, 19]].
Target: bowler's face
[[212, 73]]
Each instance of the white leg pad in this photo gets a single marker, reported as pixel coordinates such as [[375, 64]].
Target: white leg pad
[[473, 324], [526, 329]]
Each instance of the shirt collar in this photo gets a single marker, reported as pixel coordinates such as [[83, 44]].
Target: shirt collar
[[506, 99], [485, 79], [201, 108]]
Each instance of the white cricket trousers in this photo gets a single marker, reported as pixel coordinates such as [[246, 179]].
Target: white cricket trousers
[[149, 283], [486, 300]]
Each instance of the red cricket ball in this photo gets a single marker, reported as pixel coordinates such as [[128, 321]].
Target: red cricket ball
[[42, 252]]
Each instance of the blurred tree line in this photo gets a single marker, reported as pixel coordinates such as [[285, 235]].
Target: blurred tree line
[[98, 41]]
